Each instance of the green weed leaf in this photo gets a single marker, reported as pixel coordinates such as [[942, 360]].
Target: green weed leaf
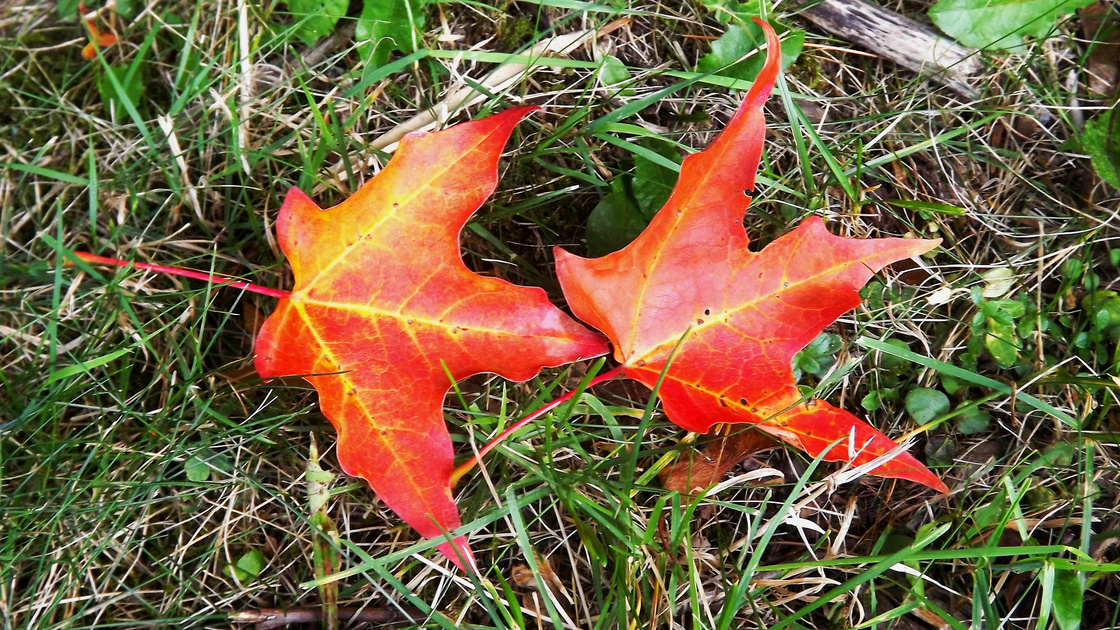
[[728, 11], [248, 567], [613, 74], [616, 221], [974, 421], [1101, 140], [196, 470], [653, 182], [738, 41], [132, 82], [316, 18], [1002, 24], [1068, 599], [1002, 343], [925, 403], [871, 402], [818, 357], [387, 26]]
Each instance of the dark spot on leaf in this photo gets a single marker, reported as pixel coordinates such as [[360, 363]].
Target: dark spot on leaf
[[641, 363], [699, 322], [707, 311], [742, 401]]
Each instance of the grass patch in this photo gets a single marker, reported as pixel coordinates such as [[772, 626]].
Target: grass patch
[[148, 477]]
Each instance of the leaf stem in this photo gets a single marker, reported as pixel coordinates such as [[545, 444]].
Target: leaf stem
[[186, 273], [464, 468]]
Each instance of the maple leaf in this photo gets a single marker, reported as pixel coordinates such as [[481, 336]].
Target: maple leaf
[[103, 40], [742, 315], [383, 310]]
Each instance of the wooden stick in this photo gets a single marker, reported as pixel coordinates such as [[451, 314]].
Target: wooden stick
[[899, 39], [268, 618]]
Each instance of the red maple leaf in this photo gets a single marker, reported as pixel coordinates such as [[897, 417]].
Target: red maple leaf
[[384, 309], [742, 316], [102, 39]]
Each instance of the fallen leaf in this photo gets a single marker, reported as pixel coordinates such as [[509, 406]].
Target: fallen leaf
[[701, 469], [738, 316], [103, 40], [384, 316]]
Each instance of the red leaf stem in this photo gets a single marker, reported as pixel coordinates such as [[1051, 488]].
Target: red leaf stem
[[186, 273]]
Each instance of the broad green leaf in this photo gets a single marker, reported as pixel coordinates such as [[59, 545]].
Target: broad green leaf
[[974, 421], [998, 282], [68, 9], [316, 18], [925, 403], [132, 82], [818, 357], [950, 384], [613, 73], [128, 9], [654, 182], [871, 402], [728, 11], [891, 363], [1002, 343], [616, 221], [737, 42], [1000, 23], [249, 566], [1101, 140], [1058, 455], [1068, 598], [196, 469], [388, 25]]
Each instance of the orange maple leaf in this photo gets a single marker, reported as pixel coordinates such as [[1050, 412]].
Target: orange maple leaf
[[742, 316], [103, 40], [384, 309]]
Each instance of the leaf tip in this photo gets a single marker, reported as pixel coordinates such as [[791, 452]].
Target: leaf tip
[[459, 553]]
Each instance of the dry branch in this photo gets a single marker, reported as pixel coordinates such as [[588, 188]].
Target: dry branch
[[899, 39], [268, 618]]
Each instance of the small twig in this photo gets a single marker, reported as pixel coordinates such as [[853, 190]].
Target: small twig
[[500, 79], [898, 39], [267, 618]]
